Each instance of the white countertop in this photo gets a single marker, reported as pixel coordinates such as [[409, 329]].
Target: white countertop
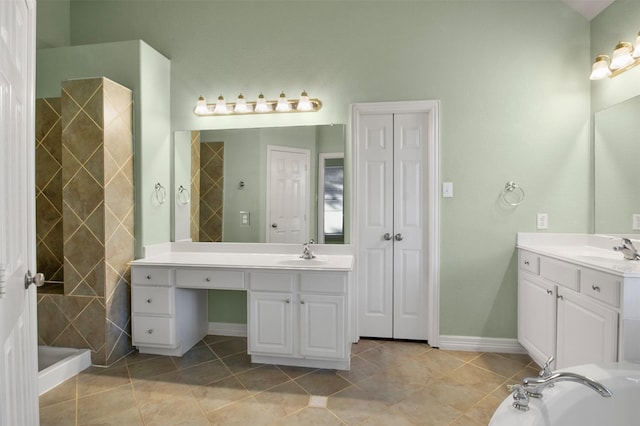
[[589, 250], [246, 256]]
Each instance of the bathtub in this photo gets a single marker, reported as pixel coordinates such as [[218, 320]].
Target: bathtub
[[55, 365], [573, 404]]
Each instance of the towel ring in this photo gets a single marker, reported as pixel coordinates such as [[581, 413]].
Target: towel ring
[[512, 194], [160, 193], [183, 197]]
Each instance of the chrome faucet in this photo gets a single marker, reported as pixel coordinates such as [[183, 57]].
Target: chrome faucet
[[306, 250], [533, 386], [628, 250]]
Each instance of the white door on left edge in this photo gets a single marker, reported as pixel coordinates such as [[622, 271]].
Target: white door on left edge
[[287, 194], [18, 333]]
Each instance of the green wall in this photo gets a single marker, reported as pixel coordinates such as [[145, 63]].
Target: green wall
[[512, 77]]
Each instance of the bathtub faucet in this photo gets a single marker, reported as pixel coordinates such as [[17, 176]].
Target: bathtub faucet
[[533, 386], [628, 250]]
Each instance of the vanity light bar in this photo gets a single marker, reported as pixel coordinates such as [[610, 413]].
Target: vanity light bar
[[260, 106], [625, 56]]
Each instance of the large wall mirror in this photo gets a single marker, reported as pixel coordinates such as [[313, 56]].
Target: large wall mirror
[[274, 185], [617, 151]]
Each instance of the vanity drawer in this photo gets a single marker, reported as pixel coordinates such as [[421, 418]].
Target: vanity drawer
[[530, 262], [319, 282], [272, 281], [152, 299], [561, 273], [601, 286], [155, 276], [210, 278], [152, 330]]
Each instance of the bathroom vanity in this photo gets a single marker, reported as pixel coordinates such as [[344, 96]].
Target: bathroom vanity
[[578, 299], [298, 310]]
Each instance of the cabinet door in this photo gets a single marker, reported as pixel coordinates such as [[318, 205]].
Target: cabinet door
[[270, 323], [322, 326], [536, 317], [587, 331]]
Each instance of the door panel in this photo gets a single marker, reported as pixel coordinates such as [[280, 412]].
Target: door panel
[[18, 350], [410, 289], [375, 253], [271, 330]]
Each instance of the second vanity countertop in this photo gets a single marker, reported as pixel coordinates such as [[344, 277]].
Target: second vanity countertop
[[247, 256], [592, 251]]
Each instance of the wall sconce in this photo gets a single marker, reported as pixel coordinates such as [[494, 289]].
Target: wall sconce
[[625, 57], [260, 106]]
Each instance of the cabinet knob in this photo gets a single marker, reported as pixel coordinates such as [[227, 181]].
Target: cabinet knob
[[549, 291], [287, 301], [560, 297], [207, 279], [387, 236], [398, 237], [526, 262], [595, 288], [149, 300], [148, 277], [302, 302], [150, 331]]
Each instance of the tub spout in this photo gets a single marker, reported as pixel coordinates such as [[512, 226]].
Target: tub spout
[[534, 385]]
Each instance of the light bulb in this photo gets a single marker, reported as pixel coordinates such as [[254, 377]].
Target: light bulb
[[622, 55], [241, 104], [283, 103], [201, 106], [221, 106], [262, 105], [304, 104], [600, 68]]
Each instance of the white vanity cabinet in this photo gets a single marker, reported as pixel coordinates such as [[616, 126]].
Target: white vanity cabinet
[[300, 316], [567, 311], [165, 320]]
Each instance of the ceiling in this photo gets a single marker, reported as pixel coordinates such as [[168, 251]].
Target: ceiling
[[588, 8]]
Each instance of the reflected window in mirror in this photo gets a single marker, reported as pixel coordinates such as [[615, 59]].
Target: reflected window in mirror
[[331, 194]]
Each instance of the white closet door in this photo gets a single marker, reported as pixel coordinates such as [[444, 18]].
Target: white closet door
[[409, 286], [375, 219]]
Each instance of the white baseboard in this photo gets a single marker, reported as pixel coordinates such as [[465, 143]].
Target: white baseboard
[[227, 329], [481, 344]]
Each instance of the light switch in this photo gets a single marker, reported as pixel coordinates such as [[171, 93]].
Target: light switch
[[635, 222], [447, 189], [245, 218]]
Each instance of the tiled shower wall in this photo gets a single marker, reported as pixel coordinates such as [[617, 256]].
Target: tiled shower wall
[[194, 225], [98, 240], [211, 190], [48, 133]]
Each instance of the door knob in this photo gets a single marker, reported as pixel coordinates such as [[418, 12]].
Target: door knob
[[398, 237], [37, 279], [387, 236], [274, 225]]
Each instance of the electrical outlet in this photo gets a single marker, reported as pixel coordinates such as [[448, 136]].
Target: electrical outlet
[[245, 218], [542, 221], [635, 222]]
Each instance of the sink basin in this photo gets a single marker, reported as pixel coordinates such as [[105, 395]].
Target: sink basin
[[303, 262]]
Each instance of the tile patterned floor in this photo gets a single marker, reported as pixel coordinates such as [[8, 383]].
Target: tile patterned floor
[[390, 383]]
